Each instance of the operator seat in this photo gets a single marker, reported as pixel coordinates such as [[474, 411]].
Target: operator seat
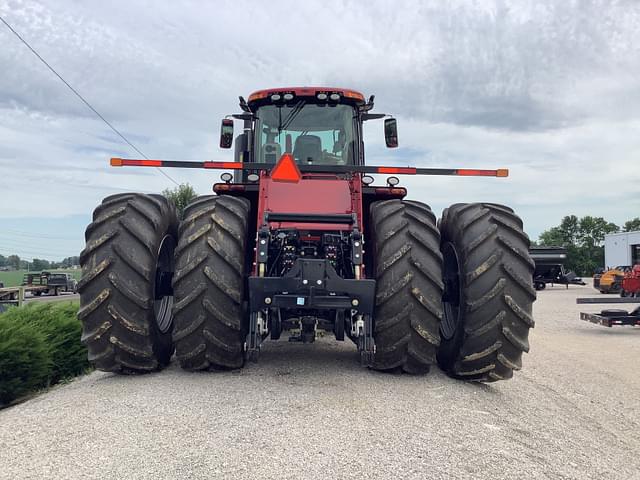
[[308, 148]]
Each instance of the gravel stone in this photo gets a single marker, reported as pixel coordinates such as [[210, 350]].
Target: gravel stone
[[310, 411]]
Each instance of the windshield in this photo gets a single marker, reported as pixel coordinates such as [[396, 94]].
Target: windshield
[[314, 134]]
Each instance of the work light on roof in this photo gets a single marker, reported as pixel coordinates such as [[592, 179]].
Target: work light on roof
[[275, 97], [335, 97], [367, 179], [322, 96], [288, 96]]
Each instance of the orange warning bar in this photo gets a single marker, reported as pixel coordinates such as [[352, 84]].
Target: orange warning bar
[[399, 170], [481, 173], [124, 162], [288, 170]]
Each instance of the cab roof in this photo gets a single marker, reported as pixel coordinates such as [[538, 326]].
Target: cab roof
[[345, 93]]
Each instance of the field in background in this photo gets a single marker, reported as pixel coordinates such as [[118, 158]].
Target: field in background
[[14, 278]]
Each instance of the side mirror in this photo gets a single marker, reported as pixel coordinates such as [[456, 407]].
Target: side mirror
[[226, 133], [391, 132]]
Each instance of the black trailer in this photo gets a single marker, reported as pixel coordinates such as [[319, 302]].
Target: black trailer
[[612, 316], [39, 283], [550, 267]]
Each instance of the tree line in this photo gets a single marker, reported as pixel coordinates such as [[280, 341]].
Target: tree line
[[584, 240], [37, 264]]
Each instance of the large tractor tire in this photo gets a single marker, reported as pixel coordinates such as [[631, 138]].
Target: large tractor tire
[[408, 271], [488, 292], [125, 290], [209, 284]]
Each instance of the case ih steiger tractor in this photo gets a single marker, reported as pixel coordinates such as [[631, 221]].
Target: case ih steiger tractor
[[298, 240]]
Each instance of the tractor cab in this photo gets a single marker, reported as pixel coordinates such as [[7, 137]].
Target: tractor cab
[[314, 133], [316, 126]]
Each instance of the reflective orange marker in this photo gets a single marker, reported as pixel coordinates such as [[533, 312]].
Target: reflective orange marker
[[398, 170], [466, 172], [286, 170], [116, 162]]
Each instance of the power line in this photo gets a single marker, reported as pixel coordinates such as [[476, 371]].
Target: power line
[[82, 98]]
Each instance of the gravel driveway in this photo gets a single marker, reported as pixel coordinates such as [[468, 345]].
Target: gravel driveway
[[309, 411]]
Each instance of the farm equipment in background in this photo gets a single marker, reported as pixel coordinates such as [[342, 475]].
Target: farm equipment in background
[[597, 274], [49, 282], [613, 316], [629, 293], [631, 283], [10, 296], [610, 281], [549, 268], [299, 239]]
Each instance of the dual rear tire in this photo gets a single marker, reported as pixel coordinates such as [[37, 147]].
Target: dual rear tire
[[474, 324], [488, 292], [125, 297], [142, 292], [407, 268], [209, 284]]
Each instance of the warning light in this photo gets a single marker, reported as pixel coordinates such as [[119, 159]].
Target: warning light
[[116, 162], [502, 172], [286, 170]]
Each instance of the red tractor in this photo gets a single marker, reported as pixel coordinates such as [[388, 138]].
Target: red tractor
[[297, 240], [631, 283]]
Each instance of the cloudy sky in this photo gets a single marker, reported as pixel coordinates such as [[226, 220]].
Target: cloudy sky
[[550, 90]]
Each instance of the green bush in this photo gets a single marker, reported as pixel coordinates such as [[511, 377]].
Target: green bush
[[54, 325], [25, 361], [59, 322]]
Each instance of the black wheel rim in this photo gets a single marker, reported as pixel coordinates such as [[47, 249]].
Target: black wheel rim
[[163, 292], [452, 295]]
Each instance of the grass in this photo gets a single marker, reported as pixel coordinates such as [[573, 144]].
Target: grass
[[14, 278]]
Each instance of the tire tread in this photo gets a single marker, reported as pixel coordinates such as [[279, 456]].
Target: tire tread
[[408, 306]]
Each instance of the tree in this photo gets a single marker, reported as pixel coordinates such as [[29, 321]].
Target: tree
[[70, 262], [181, 196], [591, 230], [583, 240], [564, 234], [553, 237], [14, 261], [632, 225], [39, 264]]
